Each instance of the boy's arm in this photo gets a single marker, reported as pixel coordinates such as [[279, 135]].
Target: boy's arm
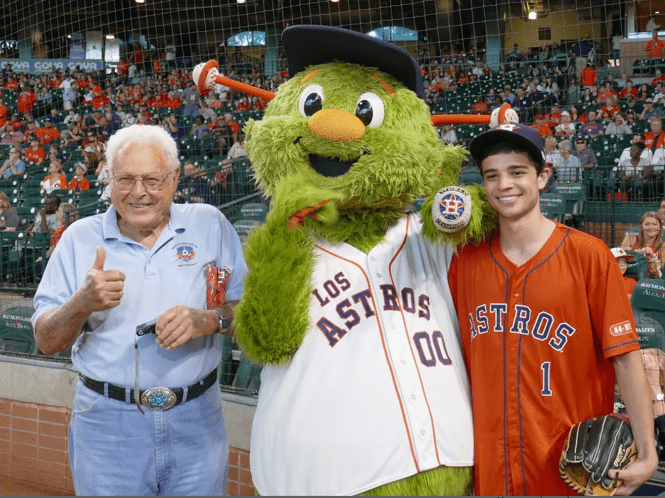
[[636, 396]]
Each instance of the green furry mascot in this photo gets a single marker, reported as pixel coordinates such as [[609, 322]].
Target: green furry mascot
[[346, 303]]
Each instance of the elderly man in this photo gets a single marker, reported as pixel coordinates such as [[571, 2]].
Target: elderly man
[[142, 294], [655, 139], [586, 156], [567, 166]]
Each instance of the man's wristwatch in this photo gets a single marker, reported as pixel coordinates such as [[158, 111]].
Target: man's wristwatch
[[223, 323], [659, 397]]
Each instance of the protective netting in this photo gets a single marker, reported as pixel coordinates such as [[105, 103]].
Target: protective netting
[[86, 68]]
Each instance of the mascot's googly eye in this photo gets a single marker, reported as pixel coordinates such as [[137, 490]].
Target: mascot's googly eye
[[370, 109], [311, 100]]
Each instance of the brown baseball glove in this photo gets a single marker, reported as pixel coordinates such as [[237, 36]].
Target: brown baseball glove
[[592, 448]]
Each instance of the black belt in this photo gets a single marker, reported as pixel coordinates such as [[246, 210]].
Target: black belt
[[157, 398]]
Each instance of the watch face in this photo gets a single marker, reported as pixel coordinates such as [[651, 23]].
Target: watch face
[[660, 397]]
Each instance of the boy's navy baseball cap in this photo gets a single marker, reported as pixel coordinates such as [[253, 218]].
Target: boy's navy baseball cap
[[307, 45], [517, 133]]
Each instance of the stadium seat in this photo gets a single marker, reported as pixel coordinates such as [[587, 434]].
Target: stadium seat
[[16, 334], [638, 267], [243, 227], [248, 375], [574, 195], [648, 300], [553, 206], [228, 365], [469, 176], [650, 333], [254, 211]]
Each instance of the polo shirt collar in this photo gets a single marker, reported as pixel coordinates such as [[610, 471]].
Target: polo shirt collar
[[110, 230]]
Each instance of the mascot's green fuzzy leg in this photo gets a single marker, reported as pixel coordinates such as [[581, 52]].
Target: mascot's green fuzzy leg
[[442, 481]]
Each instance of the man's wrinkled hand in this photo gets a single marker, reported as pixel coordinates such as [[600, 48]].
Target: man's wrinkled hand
[[102, 289], [181, 324]]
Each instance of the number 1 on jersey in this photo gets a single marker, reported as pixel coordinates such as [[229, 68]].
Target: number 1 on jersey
[[546, 391]]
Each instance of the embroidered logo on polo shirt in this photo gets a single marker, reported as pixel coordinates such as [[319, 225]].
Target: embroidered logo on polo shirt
[[185, 254]]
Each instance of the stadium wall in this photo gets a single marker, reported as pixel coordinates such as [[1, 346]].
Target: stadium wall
[[36, 398]]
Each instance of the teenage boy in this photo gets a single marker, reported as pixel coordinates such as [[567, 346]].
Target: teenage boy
[[545, 325]]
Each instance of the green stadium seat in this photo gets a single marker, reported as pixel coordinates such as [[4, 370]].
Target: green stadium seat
[[650, 333], [553, 206], [648, 300], [649, 294], [575, 197], [243, 227], [254, 211], [638, 267], [228, 365], [16, 334], [248, 375], [470, 176]]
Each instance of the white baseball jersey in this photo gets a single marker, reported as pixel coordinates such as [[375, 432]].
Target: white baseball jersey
[[378, 389]]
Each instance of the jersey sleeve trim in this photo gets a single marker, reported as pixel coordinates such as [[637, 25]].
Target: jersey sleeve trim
[[612, 350]]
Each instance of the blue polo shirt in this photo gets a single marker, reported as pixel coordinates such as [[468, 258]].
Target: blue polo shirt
[[157, 279]]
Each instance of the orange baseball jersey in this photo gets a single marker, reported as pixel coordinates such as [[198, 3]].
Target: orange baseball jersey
[[538, 340], [34, 155]]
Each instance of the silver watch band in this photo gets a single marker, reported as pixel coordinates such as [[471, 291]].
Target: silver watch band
[[223, 323]]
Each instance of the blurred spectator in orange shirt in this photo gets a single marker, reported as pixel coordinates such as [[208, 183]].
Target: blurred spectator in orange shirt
[[26, 100], [628, 90], [48, 132], [79, 182], [588, 76], [99, 100], [542, 127], [34, 153], [479, 106], [55, 179], [655, 47], [3, 114]]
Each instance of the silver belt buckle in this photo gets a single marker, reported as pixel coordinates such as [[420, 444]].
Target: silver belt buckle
[[158, 398]]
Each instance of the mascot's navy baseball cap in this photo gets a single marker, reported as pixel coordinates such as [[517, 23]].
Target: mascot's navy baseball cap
[[308, 44], [516, 133]]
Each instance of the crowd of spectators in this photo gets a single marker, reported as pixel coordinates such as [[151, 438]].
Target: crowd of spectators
[[54, 120], [614, 110], [66, 118]]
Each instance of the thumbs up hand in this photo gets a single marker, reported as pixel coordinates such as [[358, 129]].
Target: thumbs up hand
[[102, 288]]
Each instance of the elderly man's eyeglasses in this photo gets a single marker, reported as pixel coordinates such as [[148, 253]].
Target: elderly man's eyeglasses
[[151, 183]]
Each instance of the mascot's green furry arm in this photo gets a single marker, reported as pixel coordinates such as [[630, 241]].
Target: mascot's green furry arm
[[346, 299]]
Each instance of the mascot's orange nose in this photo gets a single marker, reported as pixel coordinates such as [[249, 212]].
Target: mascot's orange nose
[[336, 125]]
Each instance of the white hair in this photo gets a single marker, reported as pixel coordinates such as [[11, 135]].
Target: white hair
[[142, 134]]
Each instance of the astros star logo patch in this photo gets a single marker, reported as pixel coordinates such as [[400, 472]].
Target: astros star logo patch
[[507, 126], [452, 206]]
